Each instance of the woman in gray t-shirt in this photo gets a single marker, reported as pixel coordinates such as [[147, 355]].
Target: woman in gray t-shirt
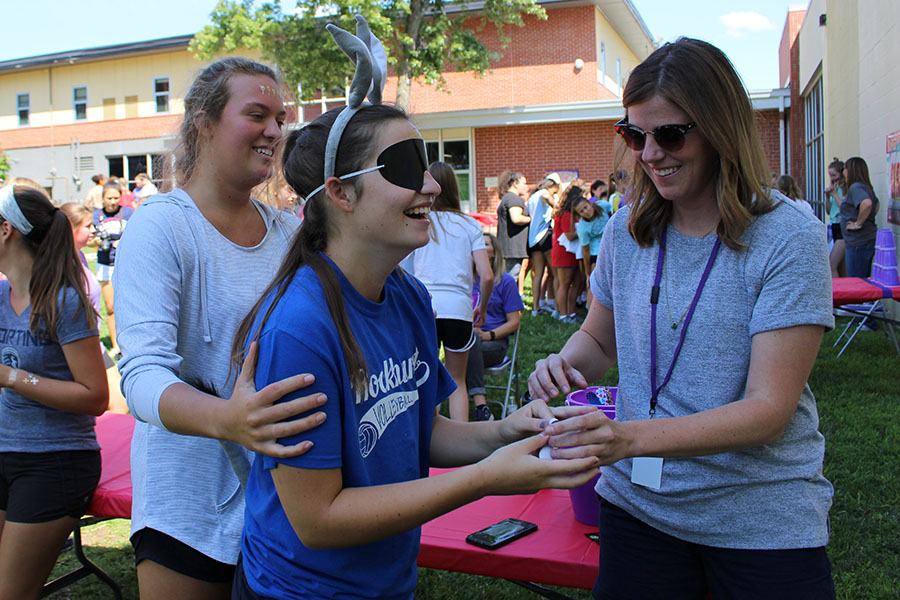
[[54, 384], [713, 295], [858, 212]]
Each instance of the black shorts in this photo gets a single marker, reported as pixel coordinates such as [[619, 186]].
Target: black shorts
[[456, 335], [240, 589], [542, 246], [38, 487], [163, 549], [836, 232], [685, 570]]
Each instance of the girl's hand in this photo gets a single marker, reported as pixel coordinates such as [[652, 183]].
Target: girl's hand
[[480, 316], [534, 417], [552, 375], [514, 469], [853, 225], [256, 422], [591, 434]]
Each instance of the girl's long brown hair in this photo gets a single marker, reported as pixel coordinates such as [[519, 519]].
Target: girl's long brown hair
[[56, 263]]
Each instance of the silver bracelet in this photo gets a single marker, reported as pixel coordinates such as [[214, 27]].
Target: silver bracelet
[[11, 378]]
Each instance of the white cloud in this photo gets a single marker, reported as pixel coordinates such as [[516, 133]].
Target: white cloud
[[737, 24]]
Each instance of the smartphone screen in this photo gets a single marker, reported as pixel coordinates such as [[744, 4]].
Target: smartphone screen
[[501, 533]]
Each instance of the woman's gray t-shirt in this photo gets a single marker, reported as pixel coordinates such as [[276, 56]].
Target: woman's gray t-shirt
[[857, 193], [26, 425], [765, 497]]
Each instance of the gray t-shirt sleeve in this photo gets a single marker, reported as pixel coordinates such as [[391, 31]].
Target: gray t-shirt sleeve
[[148, 296], [795, 285], [73, 324]]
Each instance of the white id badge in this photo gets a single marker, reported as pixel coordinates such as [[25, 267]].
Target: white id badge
[[647, 471]]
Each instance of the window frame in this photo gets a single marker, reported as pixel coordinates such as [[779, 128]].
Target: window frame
[[26, 108], [437, 136], [167, 94], [76, 103], [814, 146], [602, 63]]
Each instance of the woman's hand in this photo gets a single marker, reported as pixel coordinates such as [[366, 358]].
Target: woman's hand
[[590, 434], [534, 417], [514, 469], [552, 375], [853, 225], [256, 422]]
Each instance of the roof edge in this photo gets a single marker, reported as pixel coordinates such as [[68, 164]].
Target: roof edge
[[99, 52]]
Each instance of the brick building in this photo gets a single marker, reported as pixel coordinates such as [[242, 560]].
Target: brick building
[[547, 105]]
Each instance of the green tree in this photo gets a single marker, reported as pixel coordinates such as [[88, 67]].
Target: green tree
[[5, 167], [422, 37]]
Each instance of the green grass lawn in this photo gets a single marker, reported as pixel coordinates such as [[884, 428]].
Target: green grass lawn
[[859, 407]]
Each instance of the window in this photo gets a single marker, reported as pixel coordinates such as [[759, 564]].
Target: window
[[161, 94], [456, 153], [126, 167], [619, 75], [321, 103], [79, 102], [23, 106], [602, 62], [815, 149]]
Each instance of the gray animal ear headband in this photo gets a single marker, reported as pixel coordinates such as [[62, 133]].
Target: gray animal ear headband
[[367, 53], [9, 210]]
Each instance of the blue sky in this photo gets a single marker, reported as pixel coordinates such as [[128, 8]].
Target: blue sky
[[748, 31]]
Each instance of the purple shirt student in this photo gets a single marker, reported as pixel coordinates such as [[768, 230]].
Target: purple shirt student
[[504, 299]]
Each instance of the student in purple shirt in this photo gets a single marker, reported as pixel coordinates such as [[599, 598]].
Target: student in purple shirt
[[492, 339]]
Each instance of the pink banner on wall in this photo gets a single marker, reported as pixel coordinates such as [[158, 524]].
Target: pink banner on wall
[[893, 157]]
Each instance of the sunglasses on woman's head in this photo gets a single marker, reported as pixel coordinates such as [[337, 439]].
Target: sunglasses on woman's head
[[402, 164], [668, 137]]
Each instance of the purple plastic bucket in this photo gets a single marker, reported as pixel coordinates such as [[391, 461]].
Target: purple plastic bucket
[[593, 396], [584, 499], [585, 504]]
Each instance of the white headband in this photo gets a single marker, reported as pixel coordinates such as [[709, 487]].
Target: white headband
[[9, 210]]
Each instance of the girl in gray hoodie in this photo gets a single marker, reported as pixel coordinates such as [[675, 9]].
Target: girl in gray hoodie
[[192, 264]]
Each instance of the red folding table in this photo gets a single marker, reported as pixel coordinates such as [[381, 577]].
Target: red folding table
[[863, 299], [558, 553], [111, 500]]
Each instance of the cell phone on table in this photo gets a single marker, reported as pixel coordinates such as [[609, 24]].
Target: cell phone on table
[[500, 534]]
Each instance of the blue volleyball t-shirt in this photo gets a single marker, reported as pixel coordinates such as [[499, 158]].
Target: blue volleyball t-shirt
[[381, 436]]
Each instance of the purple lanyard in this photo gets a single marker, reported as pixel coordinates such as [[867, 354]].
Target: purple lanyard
[[654, 299]]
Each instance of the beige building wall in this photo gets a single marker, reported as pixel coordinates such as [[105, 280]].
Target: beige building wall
[[812, 44], [857, 53], [860, 53], [34, 83], [615, 48], [841, 87], [879, 87], [127, 81]]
